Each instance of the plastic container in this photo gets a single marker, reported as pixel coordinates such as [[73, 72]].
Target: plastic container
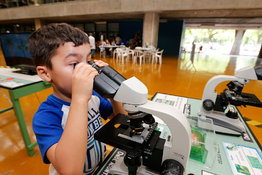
[[204, 143]]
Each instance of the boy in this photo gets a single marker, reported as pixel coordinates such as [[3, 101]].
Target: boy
[[65, 123]]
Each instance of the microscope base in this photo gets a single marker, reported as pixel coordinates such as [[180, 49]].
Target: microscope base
[[224, 124], [120, 168]]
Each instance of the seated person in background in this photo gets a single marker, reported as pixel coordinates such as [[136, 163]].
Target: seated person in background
[[118, 40], [134, 42], [113, 43], [65, 123], [107, 43], [112, 40]]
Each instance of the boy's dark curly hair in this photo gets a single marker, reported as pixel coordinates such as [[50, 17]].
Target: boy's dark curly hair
[[44, 42]]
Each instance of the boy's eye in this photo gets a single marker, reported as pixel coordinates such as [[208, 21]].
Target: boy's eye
[[74, 64]]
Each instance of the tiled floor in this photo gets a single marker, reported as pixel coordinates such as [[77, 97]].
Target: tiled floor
[[179, 76]]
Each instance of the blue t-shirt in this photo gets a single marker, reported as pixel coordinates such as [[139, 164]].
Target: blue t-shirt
[[50, 119]]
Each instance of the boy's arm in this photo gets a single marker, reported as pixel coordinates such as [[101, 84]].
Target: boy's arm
[[117, 108], [68, 155]]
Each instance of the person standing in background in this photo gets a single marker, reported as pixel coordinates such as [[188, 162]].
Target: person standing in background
[[118, 40], [101, 36], [92, 44]]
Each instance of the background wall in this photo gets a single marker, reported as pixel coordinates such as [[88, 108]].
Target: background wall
[[170, 36], [15, 48], [129, 29]]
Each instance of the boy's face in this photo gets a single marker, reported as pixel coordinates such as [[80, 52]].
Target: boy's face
[[62, 67]]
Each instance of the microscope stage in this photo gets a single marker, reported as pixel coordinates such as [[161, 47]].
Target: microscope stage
[[116, 133]]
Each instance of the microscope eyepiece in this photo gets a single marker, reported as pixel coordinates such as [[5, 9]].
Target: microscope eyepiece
[[93, 64]]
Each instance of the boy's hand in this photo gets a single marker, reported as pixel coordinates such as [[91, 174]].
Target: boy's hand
[[100, 63], [82, 81]]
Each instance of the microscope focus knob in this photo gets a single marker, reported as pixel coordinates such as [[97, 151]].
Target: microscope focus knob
[[172, 167], [232, 112], [132, 160], [149, 119], [208, 105]]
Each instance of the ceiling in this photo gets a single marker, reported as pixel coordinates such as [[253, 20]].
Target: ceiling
[[221, 18]]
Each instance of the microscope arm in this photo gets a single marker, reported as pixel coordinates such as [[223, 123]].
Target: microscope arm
[[242, 76], [179, 145], [133, 94], [209, 90]]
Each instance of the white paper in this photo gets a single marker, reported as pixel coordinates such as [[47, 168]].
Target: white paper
[[175, 101], [11, 84], [243, 160]]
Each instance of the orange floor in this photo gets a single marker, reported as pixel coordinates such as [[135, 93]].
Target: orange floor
[[178, 76]]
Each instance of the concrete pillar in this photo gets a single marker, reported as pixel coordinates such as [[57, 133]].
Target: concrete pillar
[[38, 23], [237, 43], [150, 29]]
